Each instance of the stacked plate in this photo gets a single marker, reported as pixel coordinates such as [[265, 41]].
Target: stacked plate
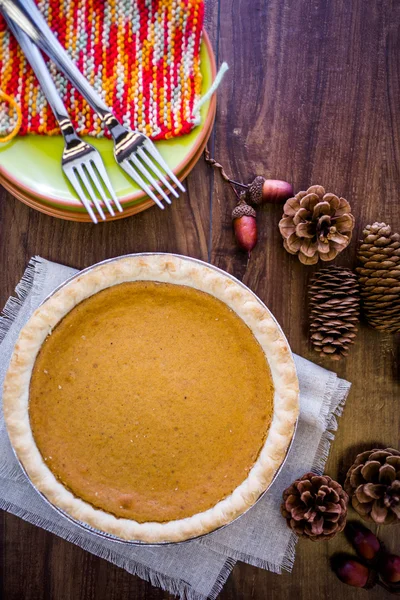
[[30, 167]]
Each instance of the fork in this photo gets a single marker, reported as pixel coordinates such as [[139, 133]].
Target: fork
[[81, 162], [133, 150]]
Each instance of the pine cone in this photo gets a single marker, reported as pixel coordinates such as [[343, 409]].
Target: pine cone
[[316, 225], [379, 277], [334, 311], [373, 484], [315, 507]]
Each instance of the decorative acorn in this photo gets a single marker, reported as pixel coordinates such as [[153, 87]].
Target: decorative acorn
[[353, 572], [378, 566], [389, 568], [373, 484], [315, 507], [365, 543], [262, 191], [245, 225]]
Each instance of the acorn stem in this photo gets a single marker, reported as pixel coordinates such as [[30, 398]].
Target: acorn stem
[[242, 185], [234, 190], [216, 165]]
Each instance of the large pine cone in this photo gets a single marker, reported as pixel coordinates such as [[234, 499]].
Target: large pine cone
[[379, 277], [315, 507], [373, 483], [316, 225], [334, 311]]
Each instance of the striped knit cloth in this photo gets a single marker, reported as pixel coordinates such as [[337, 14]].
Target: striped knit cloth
[[142, 57]]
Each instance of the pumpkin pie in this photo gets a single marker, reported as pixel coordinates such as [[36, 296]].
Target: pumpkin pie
[[152, 397]]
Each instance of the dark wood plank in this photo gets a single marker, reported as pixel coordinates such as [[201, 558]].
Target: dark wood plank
[[311, 97]]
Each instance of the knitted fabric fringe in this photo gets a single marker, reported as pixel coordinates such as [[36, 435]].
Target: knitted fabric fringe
[[141, 56]]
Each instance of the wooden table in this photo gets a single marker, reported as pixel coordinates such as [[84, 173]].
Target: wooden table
[[312, 96]]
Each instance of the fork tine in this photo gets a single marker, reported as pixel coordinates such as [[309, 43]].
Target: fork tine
[[125, 164], [149, 178], [159, 159], [99, 187], [157, 172], [103, 174], [76, 184], [89, 188]]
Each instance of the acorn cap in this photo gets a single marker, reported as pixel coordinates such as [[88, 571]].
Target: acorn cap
[[255, 190], [243, 210]]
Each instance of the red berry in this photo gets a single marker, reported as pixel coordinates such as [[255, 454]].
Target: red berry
[[389, 568], [351, 571], [364, 541]]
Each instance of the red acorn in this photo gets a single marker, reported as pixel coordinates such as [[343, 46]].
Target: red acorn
[[244, 225], [353, 572], [262, 191], [364, 541], [389, 568]]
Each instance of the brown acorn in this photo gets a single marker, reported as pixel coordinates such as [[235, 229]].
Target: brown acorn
[[389, 568], [244, 225], [262, 191], [364, 541], [353, 572]]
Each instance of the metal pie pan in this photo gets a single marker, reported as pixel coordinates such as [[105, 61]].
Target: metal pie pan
[[107, 536]]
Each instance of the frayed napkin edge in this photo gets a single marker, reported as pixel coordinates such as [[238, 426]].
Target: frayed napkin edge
[[330, 413], [31, 282]]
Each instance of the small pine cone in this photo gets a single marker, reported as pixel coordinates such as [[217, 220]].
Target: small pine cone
[[315, 507], [379, 277], [316, 225], [373, 484], [334, 311]]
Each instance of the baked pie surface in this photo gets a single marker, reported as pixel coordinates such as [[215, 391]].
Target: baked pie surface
[[151, 412]]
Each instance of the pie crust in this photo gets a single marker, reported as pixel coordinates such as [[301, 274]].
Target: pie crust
[[169, 269]]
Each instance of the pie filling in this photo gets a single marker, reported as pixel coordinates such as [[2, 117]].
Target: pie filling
[[151, 401]]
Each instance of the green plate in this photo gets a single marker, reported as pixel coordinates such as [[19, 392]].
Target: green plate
[[33, 163]]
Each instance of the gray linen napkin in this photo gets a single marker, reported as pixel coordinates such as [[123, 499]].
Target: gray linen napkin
[[194, 570]]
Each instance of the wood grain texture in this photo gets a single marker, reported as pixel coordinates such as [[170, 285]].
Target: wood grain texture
[[312, 96]]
